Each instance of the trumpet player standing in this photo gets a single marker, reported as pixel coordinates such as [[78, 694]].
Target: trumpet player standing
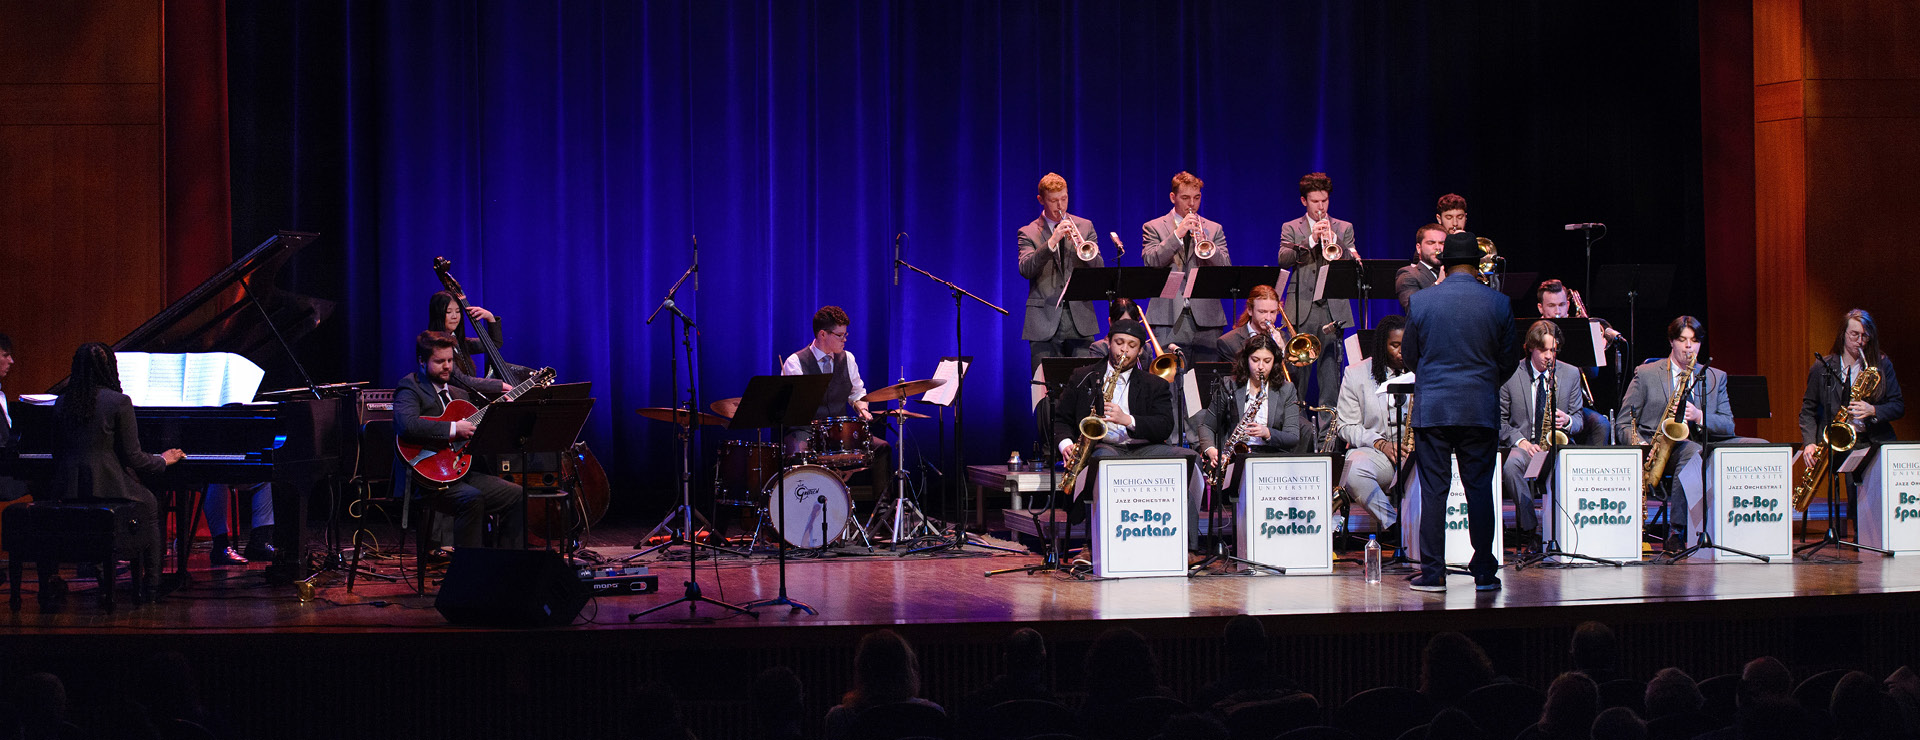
[[1855, 348], [1704, 409], [1274, 427], [1307, 244], [1522, 418], [1183, 240], [1050, 248], [1374, 424]]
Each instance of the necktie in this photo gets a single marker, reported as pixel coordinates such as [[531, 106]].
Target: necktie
[[826, 364], [1539, 396], [446, 397]]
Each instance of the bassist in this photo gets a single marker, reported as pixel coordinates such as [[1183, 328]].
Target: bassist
[[426, 393]]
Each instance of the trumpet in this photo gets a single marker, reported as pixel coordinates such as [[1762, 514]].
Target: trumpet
[[1202, 247], [1330, 251], [1086, 249]]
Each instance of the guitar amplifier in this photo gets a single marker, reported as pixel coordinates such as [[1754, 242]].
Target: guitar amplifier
[[535, 470]]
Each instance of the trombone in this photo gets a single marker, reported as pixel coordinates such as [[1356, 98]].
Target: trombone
[[1164, 365], [1301, 349], [1489, 261]]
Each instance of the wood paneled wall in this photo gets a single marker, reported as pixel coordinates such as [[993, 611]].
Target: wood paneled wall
[[1836, 105], [113, 165]]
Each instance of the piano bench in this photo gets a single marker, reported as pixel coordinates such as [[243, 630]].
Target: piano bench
[[98, 532]]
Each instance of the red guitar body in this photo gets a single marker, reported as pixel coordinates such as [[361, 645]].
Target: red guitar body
[[445, 461]]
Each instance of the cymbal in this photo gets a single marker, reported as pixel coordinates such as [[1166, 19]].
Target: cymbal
[[725, 406], [679, 416], [903, 413], [903, 390]]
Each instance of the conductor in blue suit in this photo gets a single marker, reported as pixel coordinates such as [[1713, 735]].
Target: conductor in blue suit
[[1458, 331]]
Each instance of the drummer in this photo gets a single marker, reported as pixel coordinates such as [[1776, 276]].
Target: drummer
[[828, 355]]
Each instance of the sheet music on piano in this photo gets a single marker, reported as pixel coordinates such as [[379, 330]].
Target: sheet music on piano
[[193, 379]]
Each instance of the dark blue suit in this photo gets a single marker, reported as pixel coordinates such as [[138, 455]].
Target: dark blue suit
[[1457, 332]]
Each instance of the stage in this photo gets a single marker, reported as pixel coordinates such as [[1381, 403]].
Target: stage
[[363, 652]]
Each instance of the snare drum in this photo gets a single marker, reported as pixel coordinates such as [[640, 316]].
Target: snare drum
[[813, 504], [840, 442], [743, 472]]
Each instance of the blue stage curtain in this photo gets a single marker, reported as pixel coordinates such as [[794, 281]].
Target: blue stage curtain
[[563, 155]]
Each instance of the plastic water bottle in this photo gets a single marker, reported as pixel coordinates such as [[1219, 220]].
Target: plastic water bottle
[[1373, 559]]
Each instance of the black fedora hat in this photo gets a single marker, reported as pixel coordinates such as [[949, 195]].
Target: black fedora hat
[[1462, 248]]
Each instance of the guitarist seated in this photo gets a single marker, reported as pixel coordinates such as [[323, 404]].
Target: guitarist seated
[[424, 394]]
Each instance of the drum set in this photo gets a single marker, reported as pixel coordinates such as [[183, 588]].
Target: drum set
[[813, 466]]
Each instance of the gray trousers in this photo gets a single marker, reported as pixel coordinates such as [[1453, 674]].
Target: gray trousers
[[470, 500], [1065, 342], [1368, 474], [1513, 478], [1195, 341]]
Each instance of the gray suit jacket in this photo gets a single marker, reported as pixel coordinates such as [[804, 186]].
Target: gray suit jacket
[[1046, 272], [1652, 388], [1410, 280], [1159, 248], [1520, 420], [1306, 272]]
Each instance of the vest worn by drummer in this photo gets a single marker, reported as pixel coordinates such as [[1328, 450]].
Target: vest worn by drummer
[[834, 403]]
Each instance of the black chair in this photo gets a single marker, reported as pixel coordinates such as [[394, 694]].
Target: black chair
[[1504, 709], [901, 720], [1317, 732], [1383, 713], [1262, 719], [1020, 719], [1816, 693], [80, 531], [1720, 692], [1624, 692]]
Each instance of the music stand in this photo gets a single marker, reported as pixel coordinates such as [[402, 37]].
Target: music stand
[[1054, 374], [524, 427], [1551, 548], [1108, 283], [1706, 533], [779, 402], [1349, 279]]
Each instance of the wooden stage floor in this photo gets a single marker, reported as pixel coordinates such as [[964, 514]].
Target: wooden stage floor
[[851, 588]]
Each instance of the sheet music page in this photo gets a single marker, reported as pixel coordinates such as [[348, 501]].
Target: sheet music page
[[1535, 465], [1191, 388], [951, 371], [1280, 284], [1352, 344], [1320, 285], [1037, 389], [199, 379], [1174, 286], [1599, 342], [1186, 282]]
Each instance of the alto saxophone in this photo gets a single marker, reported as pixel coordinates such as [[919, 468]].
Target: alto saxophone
[[1333, 429], [1838, 438], [1236, 443], [1672, 432], [1092, 429]]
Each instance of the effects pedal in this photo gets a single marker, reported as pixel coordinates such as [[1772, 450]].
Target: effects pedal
[[619, 580]]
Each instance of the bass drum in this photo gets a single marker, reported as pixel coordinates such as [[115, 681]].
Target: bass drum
[[581, 474], [814, 507]]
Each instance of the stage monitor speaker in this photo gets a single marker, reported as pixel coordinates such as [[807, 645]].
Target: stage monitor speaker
[[510, 588]]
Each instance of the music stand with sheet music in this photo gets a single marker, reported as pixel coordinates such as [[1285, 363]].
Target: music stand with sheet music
[[1108, 283]]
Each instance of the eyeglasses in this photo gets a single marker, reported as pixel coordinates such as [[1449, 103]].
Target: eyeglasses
[[1851, 334], [840, 335]]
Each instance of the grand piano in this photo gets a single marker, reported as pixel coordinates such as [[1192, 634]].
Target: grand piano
[[301, 439]]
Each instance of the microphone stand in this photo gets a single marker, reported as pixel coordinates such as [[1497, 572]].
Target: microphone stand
[[958, 481]]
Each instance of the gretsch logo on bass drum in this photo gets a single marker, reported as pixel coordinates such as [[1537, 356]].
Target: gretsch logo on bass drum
[[802, 491]]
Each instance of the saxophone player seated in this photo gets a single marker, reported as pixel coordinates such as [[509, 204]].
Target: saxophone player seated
[[1701, 408], [1373, 423], [1540, 399], [1830, 384], [1253, 409], [1135, 406]]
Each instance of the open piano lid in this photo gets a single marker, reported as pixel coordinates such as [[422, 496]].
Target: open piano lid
[[220, 315]]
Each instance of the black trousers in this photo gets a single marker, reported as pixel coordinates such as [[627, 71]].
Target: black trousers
[[1476, 447]]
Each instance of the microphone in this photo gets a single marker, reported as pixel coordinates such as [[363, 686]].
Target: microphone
[[896, 256], [1578, 227], [696, 261]]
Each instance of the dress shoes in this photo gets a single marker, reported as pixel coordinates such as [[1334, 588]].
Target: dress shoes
[[1431, 585], [222, 557]]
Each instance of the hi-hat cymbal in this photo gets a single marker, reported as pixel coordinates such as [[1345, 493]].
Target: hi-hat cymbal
[[725, 406], [903, 390], [903, 413], [679, 416]]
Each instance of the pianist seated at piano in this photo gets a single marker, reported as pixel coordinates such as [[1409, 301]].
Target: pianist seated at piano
[[96, 450], [425, 393]]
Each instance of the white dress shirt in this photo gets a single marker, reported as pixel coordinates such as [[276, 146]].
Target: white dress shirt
[[792, 367]]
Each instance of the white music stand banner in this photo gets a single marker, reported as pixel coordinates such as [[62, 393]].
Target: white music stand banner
[[1751, 490], [1595, 507], [1286, 503], [1889, 499], [1459, 544], [1140, 516]]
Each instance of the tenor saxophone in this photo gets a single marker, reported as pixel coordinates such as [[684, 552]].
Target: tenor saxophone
[[1672, 432], [1092, 429]]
